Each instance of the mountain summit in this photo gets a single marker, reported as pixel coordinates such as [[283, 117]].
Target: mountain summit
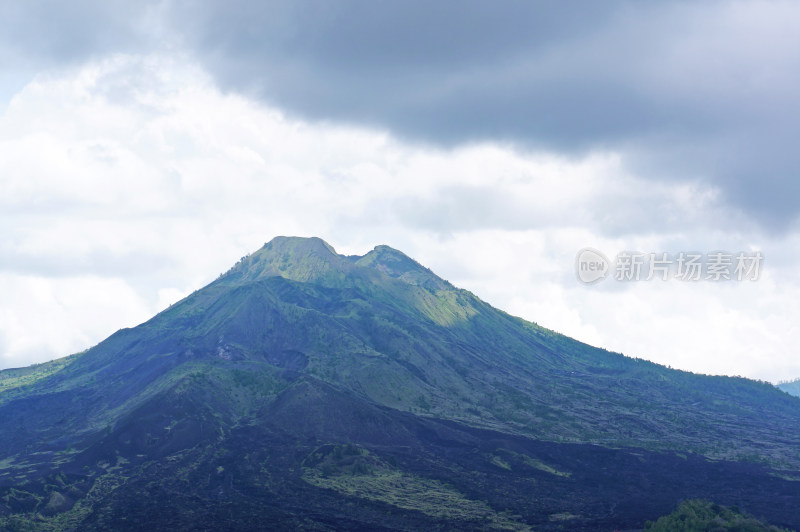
[[298, 259], [308, 389], [313, 259]]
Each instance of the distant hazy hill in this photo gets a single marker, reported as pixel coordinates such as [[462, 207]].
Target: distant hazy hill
[[309, 389], [792, 387]]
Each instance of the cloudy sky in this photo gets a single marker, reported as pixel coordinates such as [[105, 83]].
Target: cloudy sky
[[146, 146]]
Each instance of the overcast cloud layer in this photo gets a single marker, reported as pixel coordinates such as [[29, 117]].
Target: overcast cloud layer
[[686, 91], [144, 147]]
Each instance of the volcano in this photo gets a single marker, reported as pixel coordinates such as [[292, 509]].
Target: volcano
[[304, 389]]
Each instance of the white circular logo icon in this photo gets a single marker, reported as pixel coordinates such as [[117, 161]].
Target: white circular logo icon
[[591, 266]]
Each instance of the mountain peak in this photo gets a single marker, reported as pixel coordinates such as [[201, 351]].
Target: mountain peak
[[292, 257], [397, 264], [299, 244], [313, 259]]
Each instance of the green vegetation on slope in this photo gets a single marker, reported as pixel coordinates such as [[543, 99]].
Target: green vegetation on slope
[[700, 516], [353, 471], [17, 377]]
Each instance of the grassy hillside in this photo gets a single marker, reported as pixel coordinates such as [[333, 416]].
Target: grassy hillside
[[697, 515]]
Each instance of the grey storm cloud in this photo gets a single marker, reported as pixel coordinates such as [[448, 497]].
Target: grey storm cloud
[[63, 32], [686, 91], [445, 72]]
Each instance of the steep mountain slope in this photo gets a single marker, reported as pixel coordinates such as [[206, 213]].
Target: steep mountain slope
[[302, 380]]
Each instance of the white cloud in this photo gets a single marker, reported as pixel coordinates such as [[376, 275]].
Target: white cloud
[[130, 182], [43, 317]]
